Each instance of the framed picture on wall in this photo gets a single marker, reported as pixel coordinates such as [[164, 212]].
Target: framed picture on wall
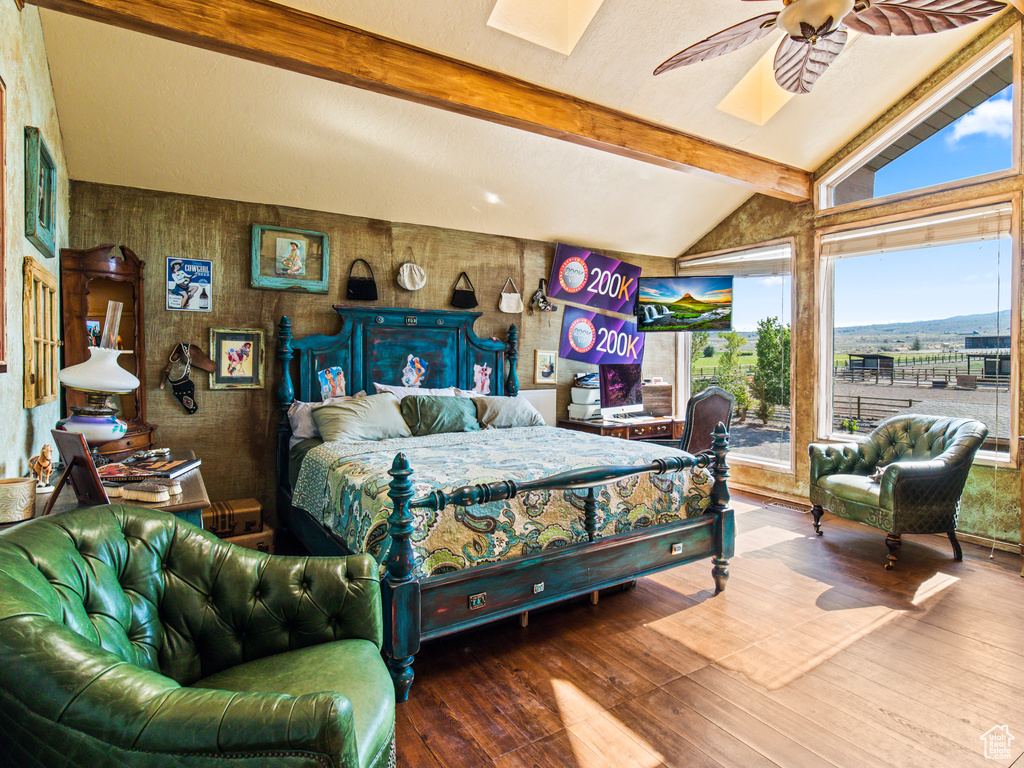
[[289, 259], [40, 194], [238, 356], [545, 369], [189, 284]]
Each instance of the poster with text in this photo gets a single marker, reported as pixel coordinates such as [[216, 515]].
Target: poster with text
[[585, 277], [189, 284], [595, 338]]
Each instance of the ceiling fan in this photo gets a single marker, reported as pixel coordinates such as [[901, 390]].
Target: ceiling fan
[[816, 31]]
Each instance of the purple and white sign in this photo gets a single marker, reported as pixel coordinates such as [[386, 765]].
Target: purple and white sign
[[585, 277], [591, 337]]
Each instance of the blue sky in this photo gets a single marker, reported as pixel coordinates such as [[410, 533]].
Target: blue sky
[[955, 279]]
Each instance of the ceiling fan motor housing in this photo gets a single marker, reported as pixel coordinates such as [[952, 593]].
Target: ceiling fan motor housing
[[814, 14]]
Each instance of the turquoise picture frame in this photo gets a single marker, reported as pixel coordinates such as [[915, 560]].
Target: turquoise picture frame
[[40, 193], [290, 259]]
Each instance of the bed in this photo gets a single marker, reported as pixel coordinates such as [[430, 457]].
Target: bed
[[478, 526]]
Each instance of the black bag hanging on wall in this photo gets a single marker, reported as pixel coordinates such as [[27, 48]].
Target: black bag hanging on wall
[[462, 298], [361, 288]]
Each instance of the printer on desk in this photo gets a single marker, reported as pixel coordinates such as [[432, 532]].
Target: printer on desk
[[586, 403]]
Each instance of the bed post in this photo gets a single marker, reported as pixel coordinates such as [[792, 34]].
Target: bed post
[[285, 396], [725, 524], [512, 353], [400, 591]]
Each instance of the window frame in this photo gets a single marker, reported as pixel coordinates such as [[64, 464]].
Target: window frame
[[41, 332], [4, 236], [825, 286], [1007, 44], [683, 373]]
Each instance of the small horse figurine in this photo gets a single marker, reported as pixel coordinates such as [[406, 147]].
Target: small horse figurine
[[41, 466]]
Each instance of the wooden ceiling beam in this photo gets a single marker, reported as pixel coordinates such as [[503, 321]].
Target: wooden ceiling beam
[[279, 36]]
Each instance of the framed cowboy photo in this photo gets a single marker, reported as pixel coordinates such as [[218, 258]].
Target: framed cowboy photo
[[289, 259], [238, 358]]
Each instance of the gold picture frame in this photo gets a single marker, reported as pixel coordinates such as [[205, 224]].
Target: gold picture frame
[[545, 366], [238, 356]]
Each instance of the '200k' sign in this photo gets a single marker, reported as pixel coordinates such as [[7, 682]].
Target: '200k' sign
[[594, 338], [589, 278]]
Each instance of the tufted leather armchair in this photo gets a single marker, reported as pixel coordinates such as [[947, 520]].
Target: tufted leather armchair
[[906, 476], [131, 638]]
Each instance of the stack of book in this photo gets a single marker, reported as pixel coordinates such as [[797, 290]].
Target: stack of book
[[149, 480]]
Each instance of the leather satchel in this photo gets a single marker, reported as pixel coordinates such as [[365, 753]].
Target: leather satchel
[[461, 297], [361, 288], [510, 302]]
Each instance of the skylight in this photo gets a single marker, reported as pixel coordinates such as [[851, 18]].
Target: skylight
[[554, 24]]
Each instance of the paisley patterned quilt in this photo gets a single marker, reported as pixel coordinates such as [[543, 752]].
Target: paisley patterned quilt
[[344, 485]]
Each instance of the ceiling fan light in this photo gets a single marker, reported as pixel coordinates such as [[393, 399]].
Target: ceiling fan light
[[814, 14]]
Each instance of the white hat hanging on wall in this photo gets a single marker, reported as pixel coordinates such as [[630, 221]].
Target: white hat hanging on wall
[[411, 276]]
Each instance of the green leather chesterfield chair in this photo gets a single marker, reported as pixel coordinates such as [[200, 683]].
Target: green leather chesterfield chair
[[906, 476], [131, 638]]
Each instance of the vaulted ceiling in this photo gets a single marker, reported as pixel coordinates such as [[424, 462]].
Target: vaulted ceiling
[[141, 111]]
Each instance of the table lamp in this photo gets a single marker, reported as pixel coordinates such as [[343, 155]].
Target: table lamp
[[98, 377]]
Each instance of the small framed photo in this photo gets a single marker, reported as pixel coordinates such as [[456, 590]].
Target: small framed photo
[[189, 284], [40, 193], [545, 370], [238, 357], [289, 259]]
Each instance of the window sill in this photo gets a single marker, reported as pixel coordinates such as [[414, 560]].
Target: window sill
[[758, 462]]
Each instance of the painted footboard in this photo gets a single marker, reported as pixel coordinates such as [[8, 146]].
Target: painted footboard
[[417, 610]]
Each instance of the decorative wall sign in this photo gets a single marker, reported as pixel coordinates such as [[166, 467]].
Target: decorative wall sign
[[285, 259], [238, 356], [584, 277], [591, 337], [40, 193], [189, 284]]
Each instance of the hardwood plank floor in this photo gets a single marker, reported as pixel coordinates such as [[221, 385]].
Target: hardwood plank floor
[[813, 656]]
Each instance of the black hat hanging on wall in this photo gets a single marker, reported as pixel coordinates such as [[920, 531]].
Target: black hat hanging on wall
[[464, 298], [361, 288]]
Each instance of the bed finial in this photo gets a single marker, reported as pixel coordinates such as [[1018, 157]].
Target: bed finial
[[400, 590], [285, 389], [725, 527], [512, 353]]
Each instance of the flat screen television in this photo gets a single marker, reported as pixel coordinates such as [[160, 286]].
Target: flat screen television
[[684, 304], [621, 389]]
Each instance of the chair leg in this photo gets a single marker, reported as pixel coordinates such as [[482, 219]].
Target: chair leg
[[892, 541], [817, 512], [958, 553]]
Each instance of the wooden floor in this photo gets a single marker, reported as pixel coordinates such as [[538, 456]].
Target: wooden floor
[[813, 656]]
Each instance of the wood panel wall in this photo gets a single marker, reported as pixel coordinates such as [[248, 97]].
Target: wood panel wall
[[232, 430]]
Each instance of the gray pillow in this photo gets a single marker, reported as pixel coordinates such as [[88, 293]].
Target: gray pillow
[[434, 415], [505, 412], [377, 417]]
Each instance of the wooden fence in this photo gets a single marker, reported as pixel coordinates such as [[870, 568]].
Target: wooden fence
[[868, 409]]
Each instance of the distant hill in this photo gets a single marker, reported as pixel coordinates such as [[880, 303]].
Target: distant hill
[[961, 325]]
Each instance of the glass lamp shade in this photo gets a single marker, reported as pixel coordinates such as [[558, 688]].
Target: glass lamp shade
[[813, 13], [98, 377], [100, 373]]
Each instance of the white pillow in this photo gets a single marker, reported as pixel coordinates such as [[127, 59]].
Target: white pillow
[[505, 412], [300, 417], [401, 392]]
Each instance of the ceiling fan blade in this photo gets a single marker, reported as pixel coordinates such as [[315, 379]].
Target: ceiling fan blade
[[919, 17], [798, 65], [726, 41]]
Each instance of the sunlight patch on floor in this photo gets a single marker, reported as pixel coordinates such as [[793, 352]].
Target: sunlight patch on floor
[[769, 645], [602, 734]]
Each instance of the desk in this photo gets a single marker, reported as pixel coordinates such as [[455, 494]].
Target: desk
[[664, 428], [188, 505]]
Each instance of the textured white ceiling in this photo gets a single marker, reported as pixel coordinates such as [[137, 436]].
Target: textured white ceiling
[[139, 111]]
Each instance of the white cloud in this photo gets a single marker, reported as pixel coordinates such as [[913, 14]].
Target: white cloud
[[773, 280], [991, 118]]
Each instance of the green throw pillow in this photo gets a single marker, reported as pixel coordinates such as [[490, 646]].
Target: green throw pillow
[[376, 417], [434, 414]]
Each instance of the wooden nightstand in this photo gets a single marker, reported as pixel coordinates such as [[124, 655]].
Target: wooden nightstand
[[188, 505], [662, 429]]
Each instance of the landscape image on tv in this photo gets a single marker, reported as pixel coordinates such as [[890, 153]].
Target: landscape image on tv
[[684, 304]]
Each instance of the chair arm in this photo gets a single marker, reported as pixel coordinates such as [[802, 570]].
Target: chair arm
[[833, 459], [933, 483], [63, 678]]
